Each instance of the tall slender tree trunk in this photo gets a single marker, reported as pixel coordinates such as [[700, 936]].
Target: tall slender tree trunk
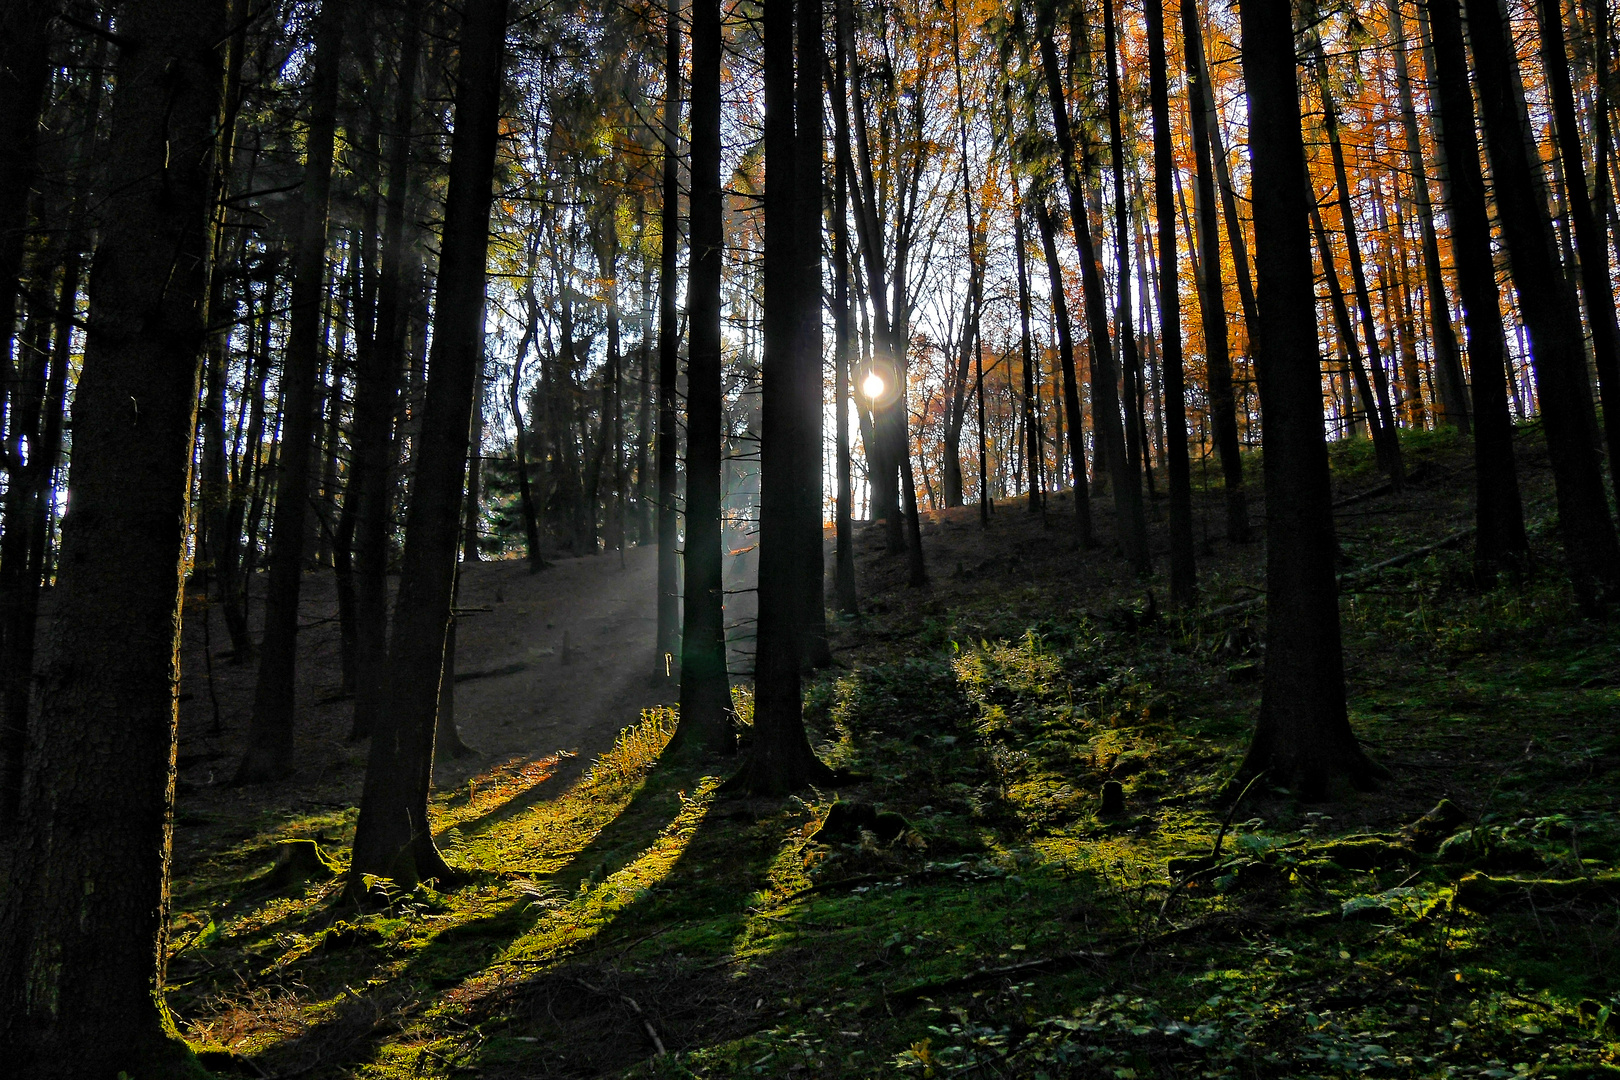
[[1346, 330], [1183, 568], [705, 690], [371, 469], [1124, 333], [1551, 316], [270, 732], [1105, 405], [1590, 241], [1211, 290], [1500, 543], [84, 919], [1450, 384], [809, 218], [1303, 738], [393, 838], [1386, 436], [1032, 453], [844, 573], [668, 451], [779, 756], [1071, 381]]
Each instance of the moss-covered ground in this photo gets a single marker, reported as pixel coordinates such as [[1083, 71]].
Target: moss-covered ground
[[638, 923]]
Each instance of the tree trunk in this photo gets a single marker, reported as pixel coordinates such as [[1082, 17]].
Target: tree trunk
[[393, 838], [668, 450], [377, 398], [1550, 315], [1105, 406], [1386, 436], [1590, 241], [1211, 291], [809, 214], [779, 756], [1071, 382], [84, 924], [844, 573], [1032, 453], [1183, 568], [270, 732], [1450, 384], [1500, 543], [1129, 355], [705, 690], [1303, 738]]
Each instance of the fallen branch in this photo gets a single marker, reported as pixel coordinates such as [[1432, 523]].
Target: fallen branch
[[1348, 582], [1063, 961]]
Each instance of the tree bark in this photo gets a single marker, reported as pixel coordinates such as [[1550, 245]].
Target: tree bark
[[844, 573], [1071, 382], [668, 450], [779, 756], [705, 690], [1032, 452], [393, 839], [1500, 542], [1211, 292], [1551, 316], [1590, 242], [270, 732], [1303, 738], [1386, 436], [809, 216], [83, 928], [1450, 384], [1105, 408], [1183, 567]]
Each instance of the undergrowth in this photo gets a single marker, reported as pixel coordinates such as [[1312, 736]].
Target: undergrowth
[[638, 923]]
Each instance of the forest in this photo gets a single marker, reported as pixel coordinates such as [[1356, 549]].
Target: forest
[[826, 538]]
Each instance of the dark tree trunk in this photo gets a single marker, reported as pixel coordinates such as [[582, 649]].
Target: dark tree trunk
[[669, 345], [1211, 292], [705, 689], [83, 928], [779, 756], [1303, 738], [809, 214], [393, 838], [1183, 569], [531, 326], [376, 399], [1032, 450], [1071, 382], [1129, 356], [1501, 543], [1551, 316], [1105, 407], [1386, 435], [270, 733], [475, 467], [1346, 328], [844, 572], [1450, 385], [1590, 240]]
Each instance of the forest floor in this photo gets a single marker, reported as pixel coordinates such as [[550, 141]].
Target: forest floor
[[627, 919]]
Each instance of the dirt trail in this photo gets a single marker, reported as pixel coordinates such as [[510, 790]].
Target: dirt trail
[[520, 693]]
